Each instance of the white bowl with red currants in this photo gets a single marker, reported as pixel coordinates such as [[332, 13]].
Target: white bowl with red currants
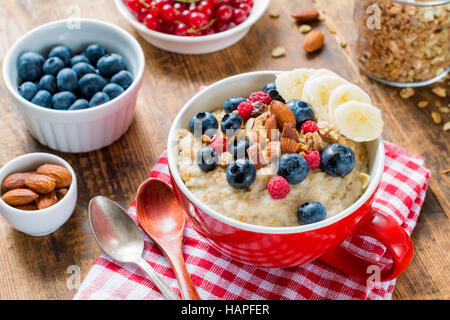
[[192, 26]]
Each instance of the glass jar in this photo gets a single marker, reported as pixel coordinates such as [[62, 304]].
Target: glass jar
[[403, 43]]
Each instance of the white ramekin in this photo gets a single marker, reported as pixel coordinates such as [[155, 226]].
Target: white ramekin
[[45, 221], [195, 45], [81, 130]]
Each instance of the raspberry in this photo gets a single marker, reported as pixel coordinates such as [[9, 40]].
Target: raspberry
[[219, 145], [260, 96], [309, 126], [278, 187], [245, 110], [313, 159]]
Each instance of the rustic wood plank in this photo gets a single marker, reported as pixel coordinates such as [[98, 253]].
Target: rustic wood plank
[[35, 268]]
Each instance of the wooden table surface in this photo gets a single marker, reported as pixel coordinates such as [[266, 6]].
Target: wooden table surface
[[36, 268]]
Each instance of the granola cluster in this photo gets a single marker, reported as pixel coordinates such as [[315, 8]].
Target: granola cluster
[[402, 43]]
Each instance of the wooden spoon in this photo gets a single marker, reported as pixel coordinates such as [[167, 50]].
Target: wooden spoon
[[163, 220]]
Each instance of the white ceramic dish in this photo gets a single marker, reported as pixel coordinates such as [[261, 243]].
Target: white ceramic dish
[[45, 221], [195, 45], [81, 130]]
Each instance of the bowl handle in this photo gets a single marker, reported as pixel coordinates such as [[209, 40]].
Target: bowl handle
[[387, 231]]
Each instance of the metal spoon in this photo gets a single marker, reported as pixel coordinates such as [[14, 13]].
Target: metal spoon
[[161, 216], [120, 238]]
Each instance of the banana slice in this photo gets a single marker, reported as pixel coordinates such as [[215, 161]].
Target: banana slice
[[317, 92], [343, 94], [290, 83], [322, 72], [359, 121]]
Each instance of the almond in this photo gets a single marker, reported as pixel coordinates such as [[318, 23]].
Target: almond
[[40, 183], [282, 114], [270, 125], [313, 41], [289, 132], [305, 15], [19, 197], [61, 193], [46, 200], [62, 176], [15, 181], [273, 149], [256, 156], [28, 207], [289, 146]]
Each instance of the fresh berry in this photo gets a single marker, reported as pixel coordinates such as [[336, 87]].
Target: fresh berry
[[260, 96], [311, 212], [204, 123], [80, 104], [309, 126], [63, 52], [206, 159], [245, 110], [198, 20], [206, 8], [271, 89], [168, 13], [241, 174], [94, 52], [43, 99], [302, 111], [313, 159], [219, 145], [293, 167], [27, 90], [90, 84], [231, 122], [239, 16], [181, 29], [232, 103], [278, 187], [110, 64], [239, 148], [48, 83], [67, 80], [246, 8], [134, 5], [123, 78], [77, 59], [152, 21], [224, 13], [53, 66], [30, 66], [113, 90], [98, 99], [63, 100], [338, 160], [83, 68]]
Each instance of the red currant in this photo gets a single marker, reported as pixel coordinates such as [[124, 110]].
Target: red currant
[[181, 29], [224, 13], [246, 8], [208, 31], [206, 8], [220, 2], [154, 8], [198, 20], [168, 13], [134, 5], [152, 21], [184, 16], [239, 16], [220, 26], [142, 14]]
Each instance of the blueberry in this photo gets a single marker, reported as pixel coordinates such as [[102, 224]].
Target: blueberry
[[53, 66], [67, 80], [203, 123], [231, 122], [94, 52], [302, 111], [27, 90], [338, 160], [83, 68], [79, 58], [63, 100], [48, 83], [206, 159], [63, 52], [271, 89], [241, 174], [239, 149], [42, 98], [80, 104], [123, 79], [113, 90], [311, 212], [232, 103], [30, 66], [293, 167], [110, 64], [90, 84], [98, 99]]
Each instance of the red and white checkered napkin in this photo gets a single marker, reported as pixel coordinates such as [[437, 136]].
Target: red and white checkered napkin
[[401, 194]]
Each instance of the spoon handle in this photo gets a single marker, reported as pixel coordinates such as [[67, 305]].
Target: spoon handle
[[156, 278]]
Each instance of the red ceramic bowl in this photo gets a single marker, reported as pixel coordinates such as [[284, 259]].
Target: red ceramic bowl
[[289, 246]]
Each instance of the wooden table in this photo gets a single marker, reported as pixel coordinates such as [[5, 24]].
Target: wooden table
[[36, 268]]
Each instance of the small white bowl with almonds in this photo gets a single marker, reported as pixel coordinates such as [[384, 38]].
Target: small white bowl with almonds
[[39, 193]]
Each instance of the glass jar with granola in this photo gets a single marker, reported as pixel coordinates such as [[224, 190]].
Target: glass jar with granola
[[403, 43]]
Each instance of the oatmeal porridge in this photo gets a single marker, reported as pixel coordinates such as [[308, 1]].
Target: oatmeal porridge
[[270, 160]]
